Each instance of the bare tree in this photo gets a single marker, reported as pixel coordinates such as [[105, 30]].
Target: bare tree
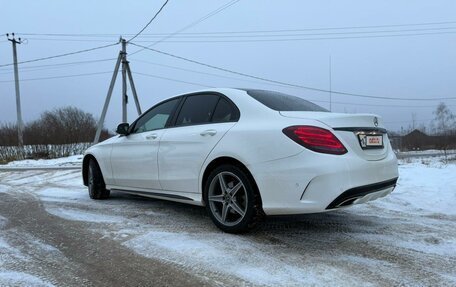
[[413, 120], [444, 119], [444, 123]]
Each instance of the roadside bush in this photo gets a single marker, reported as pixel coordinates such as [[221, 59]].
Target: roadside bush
[[11, 153]]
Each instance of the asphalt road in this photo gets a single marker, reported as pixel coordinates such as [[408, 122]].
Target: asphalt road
[[58, 235]]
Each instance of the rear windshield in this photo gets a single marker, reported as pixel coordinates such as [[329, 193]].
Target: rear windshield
[[283, 102]]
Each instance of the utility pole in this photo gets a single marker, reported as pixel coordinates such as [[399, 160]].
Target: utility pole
[[20, 124], [124, 80], [126, 73]]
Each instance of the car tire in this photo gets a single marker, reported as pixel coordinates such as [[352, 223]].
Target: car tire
[[234, 204], [95, 182]]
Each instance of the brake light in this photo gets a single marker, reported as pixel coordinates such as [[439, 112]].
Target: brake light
[[316, 139]]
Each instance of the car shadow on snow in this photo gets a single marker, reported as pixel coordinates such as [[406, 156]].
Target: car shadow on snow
[[193, 218]]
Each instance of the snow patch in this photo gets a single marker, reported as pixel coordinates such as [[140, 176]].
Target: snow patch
[[3, 244], [441, 246], [233, 255], [74, 160], [429, 151], [3, 188], [423, 188], [27, 178], [3, 222], [62, 195], [8, 252], [81, 215], [13, 278]]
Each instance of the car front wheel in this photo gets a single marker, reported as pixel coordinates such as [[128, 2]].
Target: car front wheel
[[231, 199], [95, 182]]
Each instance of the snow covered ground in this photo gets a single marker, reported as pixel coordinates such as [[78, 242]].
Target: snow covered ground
[[427, 152], [407, 238], [71, 161]]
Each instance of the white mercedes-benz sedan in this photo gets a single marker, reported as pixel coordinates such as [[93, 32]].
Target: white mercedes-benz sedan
[[244, 154]]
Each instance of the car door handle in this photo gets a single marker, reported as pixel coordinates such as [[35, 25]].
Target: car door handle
[[151, 137], [208, 133]]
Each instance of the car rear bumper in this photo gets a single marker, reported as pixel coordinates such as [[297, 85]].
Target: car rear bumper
[[363, 193], [311, 182]]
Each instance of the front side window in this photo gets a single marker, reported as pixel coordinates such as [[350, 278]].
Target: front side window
[[197, 109], [156, 118]]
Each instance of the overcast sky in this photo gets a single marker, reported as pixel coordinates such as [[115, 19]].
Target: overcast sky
[[406, 66]]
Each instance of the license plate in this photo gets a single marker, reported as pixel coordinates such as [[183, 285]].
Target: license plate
[[371, 141]]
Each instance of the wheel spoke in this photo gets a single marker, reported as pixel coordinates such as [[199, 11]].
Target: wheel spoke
[[237, 208], [223, 186], [235, 189], [216, 198], [224, 211]]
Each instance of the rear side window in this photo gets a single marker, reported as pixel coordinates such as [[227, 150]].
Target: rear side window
[[197, 109], [225, 112], [283, 102]]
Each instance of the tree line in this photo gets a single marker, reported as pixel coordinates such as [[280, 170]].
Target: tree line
[[67, 125]]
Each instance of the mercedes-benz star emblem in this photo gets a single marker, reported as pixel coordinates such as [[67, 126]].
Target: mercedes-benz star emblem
[[375, 121]]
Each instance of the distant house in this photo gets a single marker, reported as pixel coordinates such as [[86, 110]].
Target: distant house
[[417, 140]]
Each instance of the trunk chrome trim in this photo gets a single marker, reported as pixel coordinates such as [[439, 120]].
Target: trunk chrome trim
[[361, 129]]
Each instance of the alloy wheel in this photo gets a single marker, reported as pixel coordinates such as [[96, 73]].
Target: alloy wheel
[[227, 198]]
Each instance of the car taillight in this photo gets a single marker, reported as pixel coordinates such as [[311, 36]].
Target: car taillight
[[316, 139]]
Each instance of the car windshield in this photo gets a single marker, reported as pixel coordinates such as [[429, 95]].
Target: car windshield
[[283, 102]]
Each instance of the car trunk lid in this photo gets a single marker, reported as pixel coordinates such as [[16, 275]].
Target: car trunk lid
[[362, 133]]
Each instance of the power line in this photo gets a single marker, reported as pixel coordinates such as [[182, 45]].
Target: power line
[[58, 65], [174, 80], [205, 73], [276, 85], [200, 84], [285, 83], [151, 20], [307, 39], [207, 16], [59, 77], [331, 28], [206, 85], [233, 37], [317, 34], [271, 39], [242, 32], [70, 40], [61, 55], [312, 34]]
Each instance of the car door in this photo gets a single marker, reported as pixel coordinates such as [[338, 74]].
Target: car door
[[202, 121], [134, 157]]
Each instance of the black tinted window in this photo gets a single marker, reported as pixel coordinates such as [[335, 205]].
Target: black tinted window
[[156, 118], [197, 109], [283, 102], [224, 112]]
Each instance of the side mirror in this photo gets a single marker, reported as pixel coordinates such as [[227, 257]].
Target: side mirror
[[122, 129]]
